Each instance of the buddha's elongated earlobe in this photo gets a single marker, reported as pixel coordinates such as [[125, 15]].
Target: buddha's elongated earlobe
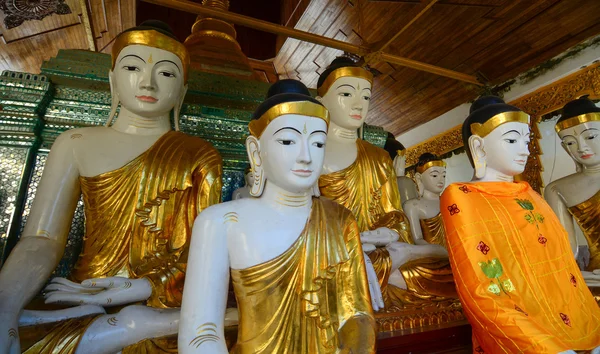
[[253, 150], [177, 108], [419, 182], [114, 103], [478, 155], [315, 190]]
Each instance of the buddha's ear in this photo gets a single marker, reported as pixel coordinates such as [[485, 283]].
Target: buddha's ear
[[253, 150], [178, 105], [476, 145], [114, 99], [419, 183]]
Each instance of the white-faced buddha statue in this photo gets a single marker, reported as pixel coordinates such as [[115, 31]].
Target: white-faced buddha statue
[[142, 184], [295, 259], [577, 196], [424, 212], [516, 276]]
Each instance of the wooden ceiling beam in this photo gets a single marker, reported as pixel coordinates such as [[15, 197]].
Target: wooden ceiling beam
[[250, 22]]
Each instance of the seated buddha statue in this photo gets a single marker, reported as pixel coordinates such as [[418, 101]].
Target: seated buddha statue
[[361, 177], [143, 185], [406, 186], [244, 191], [424, 212], [578, 195], [295, 259], [516, 276]]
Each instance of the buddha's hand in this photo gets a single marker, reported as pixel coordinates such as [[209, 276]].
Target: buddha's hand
[[374, 288], [402, 253], [381, 236], [9, 334], [110, 291], [592, 279]]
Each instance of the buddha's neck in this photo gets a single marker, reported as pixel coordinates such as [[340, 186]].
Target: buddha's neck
[[591, 170], [284, 200], [339, 135], [492, 175], [131, 123], [429, 195]]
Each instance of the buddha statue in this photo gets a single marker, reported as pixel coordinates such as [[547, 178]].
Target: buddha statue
[[424, 213], [244, 191], [516, 276], [142, 185], [406, 186], [295, 259], [578, 195], [361, 177]]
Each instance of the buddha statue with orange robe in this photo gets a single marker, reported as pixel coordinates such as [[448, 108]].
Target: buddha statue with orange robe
[[516, 276]]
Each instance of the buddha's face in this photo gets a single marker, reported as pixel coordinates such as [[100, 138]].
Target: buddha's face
[[506, 149], [291, 150], [147, 81], [434, 179], [348, 101], [582, 142]]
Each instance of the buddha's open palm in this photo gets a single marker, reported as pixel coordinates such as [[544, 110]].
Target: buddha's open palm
[[379, 237], [111, 291]]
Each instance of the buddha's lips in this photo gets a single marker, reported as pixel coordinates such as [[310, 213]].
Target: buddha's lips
[[303, 172], [356, 116], [147, 99], [521, 162], [586, 156]]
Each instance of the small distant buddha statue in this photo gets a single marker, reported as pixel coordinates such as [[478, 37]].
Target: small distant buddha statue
[[361, 177], [424, 213], [295, 259], [244, 192], [578, 195], [516, 276], [397, 152], [143, 184]]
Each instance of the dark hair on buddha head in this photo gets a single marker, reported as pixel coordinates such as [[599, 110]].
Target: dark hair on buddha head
[[287, 90], [427, 157], [582, 105], [392, 146], [339, 62], [155, 25], [481, 111]]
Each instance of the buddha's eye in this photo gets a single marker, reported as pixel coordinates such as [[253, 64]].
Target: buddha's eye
[[591, 137], [570, 143], [167, 74], [131, 68], [366, 98], [511, 141], [285, 142], [345, 94], [319, 145]]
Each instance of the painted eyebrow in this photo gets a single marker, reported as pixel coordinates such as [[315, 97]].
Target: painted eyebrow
[[588, 129], [366, 88], [510, 131], [169, 61], [294, 129], [318, 131], [132, 55], [347, 85]]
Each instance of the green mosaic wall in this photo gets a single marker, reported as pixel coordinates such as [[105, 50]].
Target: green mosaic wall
[[73, 91]]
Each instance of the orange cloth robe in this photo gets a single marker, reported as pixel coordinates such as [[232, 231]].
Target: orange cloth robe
[[515, 273]]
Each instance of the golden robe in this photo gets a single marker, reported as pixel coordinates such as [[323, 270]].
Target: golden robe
[[368, 188], [515, 273], [138, 224], [314, 297], [433, 230], [587, 215]]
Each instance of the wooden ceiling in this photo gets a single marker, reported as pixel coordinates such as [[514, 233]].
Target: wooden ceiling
[[494, 39]]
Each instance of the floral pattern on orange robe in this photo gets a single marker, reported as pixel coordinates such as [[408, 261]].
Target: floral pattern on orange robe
[[515, 274]]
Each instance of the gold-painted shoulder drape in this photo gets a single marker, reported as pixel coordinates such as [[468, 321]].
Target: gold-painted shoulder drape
[[139, 220], [433, 230], [587, 215], [314, 297], [515, 273], [369, 190]]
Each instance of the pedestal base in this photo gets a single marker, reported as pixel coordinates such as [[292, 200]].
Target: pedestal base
[[448, 338]]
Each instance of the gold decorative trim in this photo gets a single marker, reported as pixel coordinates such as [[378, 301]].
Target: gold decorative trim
[[346, 71], [305, 108], [484, 129], [430, 164], [574, 121], [153, 39], [544, 100], [401, 153]]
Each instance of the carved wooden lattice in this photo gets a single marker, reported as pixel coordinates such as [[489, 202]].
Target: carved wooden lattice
[[19, 11]]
